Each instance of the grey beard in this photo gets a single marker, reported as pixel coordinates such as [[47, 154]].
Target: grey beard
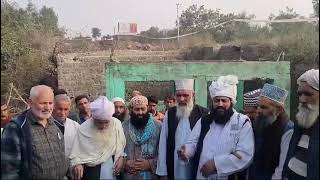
[[184, 111], [265, 121], [307, 116]]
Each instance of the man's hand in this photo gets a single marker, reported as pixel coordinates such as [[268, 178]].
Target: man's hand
[[142, 165], [78, 171], [182, 154], [118, 166], [208, 168], [129, 167]]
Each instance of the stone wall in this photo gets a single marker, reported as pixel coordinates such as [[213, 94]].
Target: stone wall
[[84, 73]]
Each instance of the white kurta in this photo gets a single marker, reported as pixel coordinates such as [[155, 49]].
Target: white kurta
[[70, 132], [284, 146], [182, 170], [106, 170], [218, 144]]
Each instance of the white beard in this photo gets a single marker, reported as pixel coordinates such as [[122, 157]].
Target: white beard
[[184, 111], [307, 116], [42, 115]]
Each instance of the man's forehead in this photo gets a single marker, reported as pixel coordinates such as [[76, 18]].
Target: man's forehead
[[265, 101], [221, 97], [63, 104], [184, 92], [139, 106], [304, 86], [118, 103]]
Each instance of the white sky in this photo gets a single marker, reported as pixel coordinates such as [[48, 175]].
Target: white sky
[[81, 15]]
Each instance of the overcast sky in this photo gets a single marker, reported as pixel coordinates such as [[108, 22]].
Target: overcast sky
[[81, 15]]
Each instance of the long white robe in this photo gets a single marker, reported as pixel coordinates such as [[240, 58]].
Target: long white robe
[[93, 147], [182, 170], [218, 144]]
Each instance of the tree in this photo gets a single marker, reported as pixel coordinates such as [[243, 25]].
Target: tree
[[48, 19], [284, 28], [199, 19], [96, 32], [153, 32], [27, 40]]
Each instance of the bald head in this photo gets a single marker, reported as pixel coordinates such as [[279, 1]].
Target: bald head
[[41, 102]]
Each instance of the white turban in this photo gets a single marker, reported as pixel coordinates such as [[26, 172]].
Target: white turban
[[102, 108], [184, 84], [311, 77], [118, 99], [225, 86]]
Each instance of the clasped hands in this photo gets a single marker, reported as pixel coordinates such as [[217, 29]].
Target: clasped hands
[[134, 166]]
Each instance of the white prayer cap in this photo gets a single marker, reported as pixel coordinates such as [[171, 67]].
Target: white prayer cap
[[102, 108], [184, 84], [311, 77], [225, 86], [118, 99]]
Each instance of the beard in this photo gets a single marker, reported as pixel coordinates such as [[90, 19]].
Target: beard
[[120, 116], [139, 121], [221, 115], [184, 111], [41, 115], [307, 116], [267, 120]]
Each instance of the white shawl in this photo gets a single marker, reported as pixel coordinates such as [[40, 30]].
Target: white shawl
[[93, 146]]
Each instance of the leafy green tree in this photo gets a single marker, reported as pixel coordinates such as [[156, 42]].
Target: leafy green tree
[[199, 19], [96, 32], [28, 36], [48, 19]]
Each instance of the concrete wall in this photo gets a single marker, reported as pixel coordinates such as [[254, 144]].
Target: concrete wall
[[84, 73]]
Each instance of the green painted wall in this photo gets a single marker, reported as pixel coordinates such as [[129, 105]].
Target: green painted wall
[[202, 72]]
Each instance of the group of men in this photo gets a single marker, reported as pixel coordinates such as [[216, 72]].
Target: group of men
[[112, 141]]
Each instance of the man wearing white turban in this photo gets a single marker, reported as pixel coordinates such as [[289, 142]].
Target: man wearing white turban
[[121, 111], [222, 142], [302, 160], [98, 149], [176, 127]]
